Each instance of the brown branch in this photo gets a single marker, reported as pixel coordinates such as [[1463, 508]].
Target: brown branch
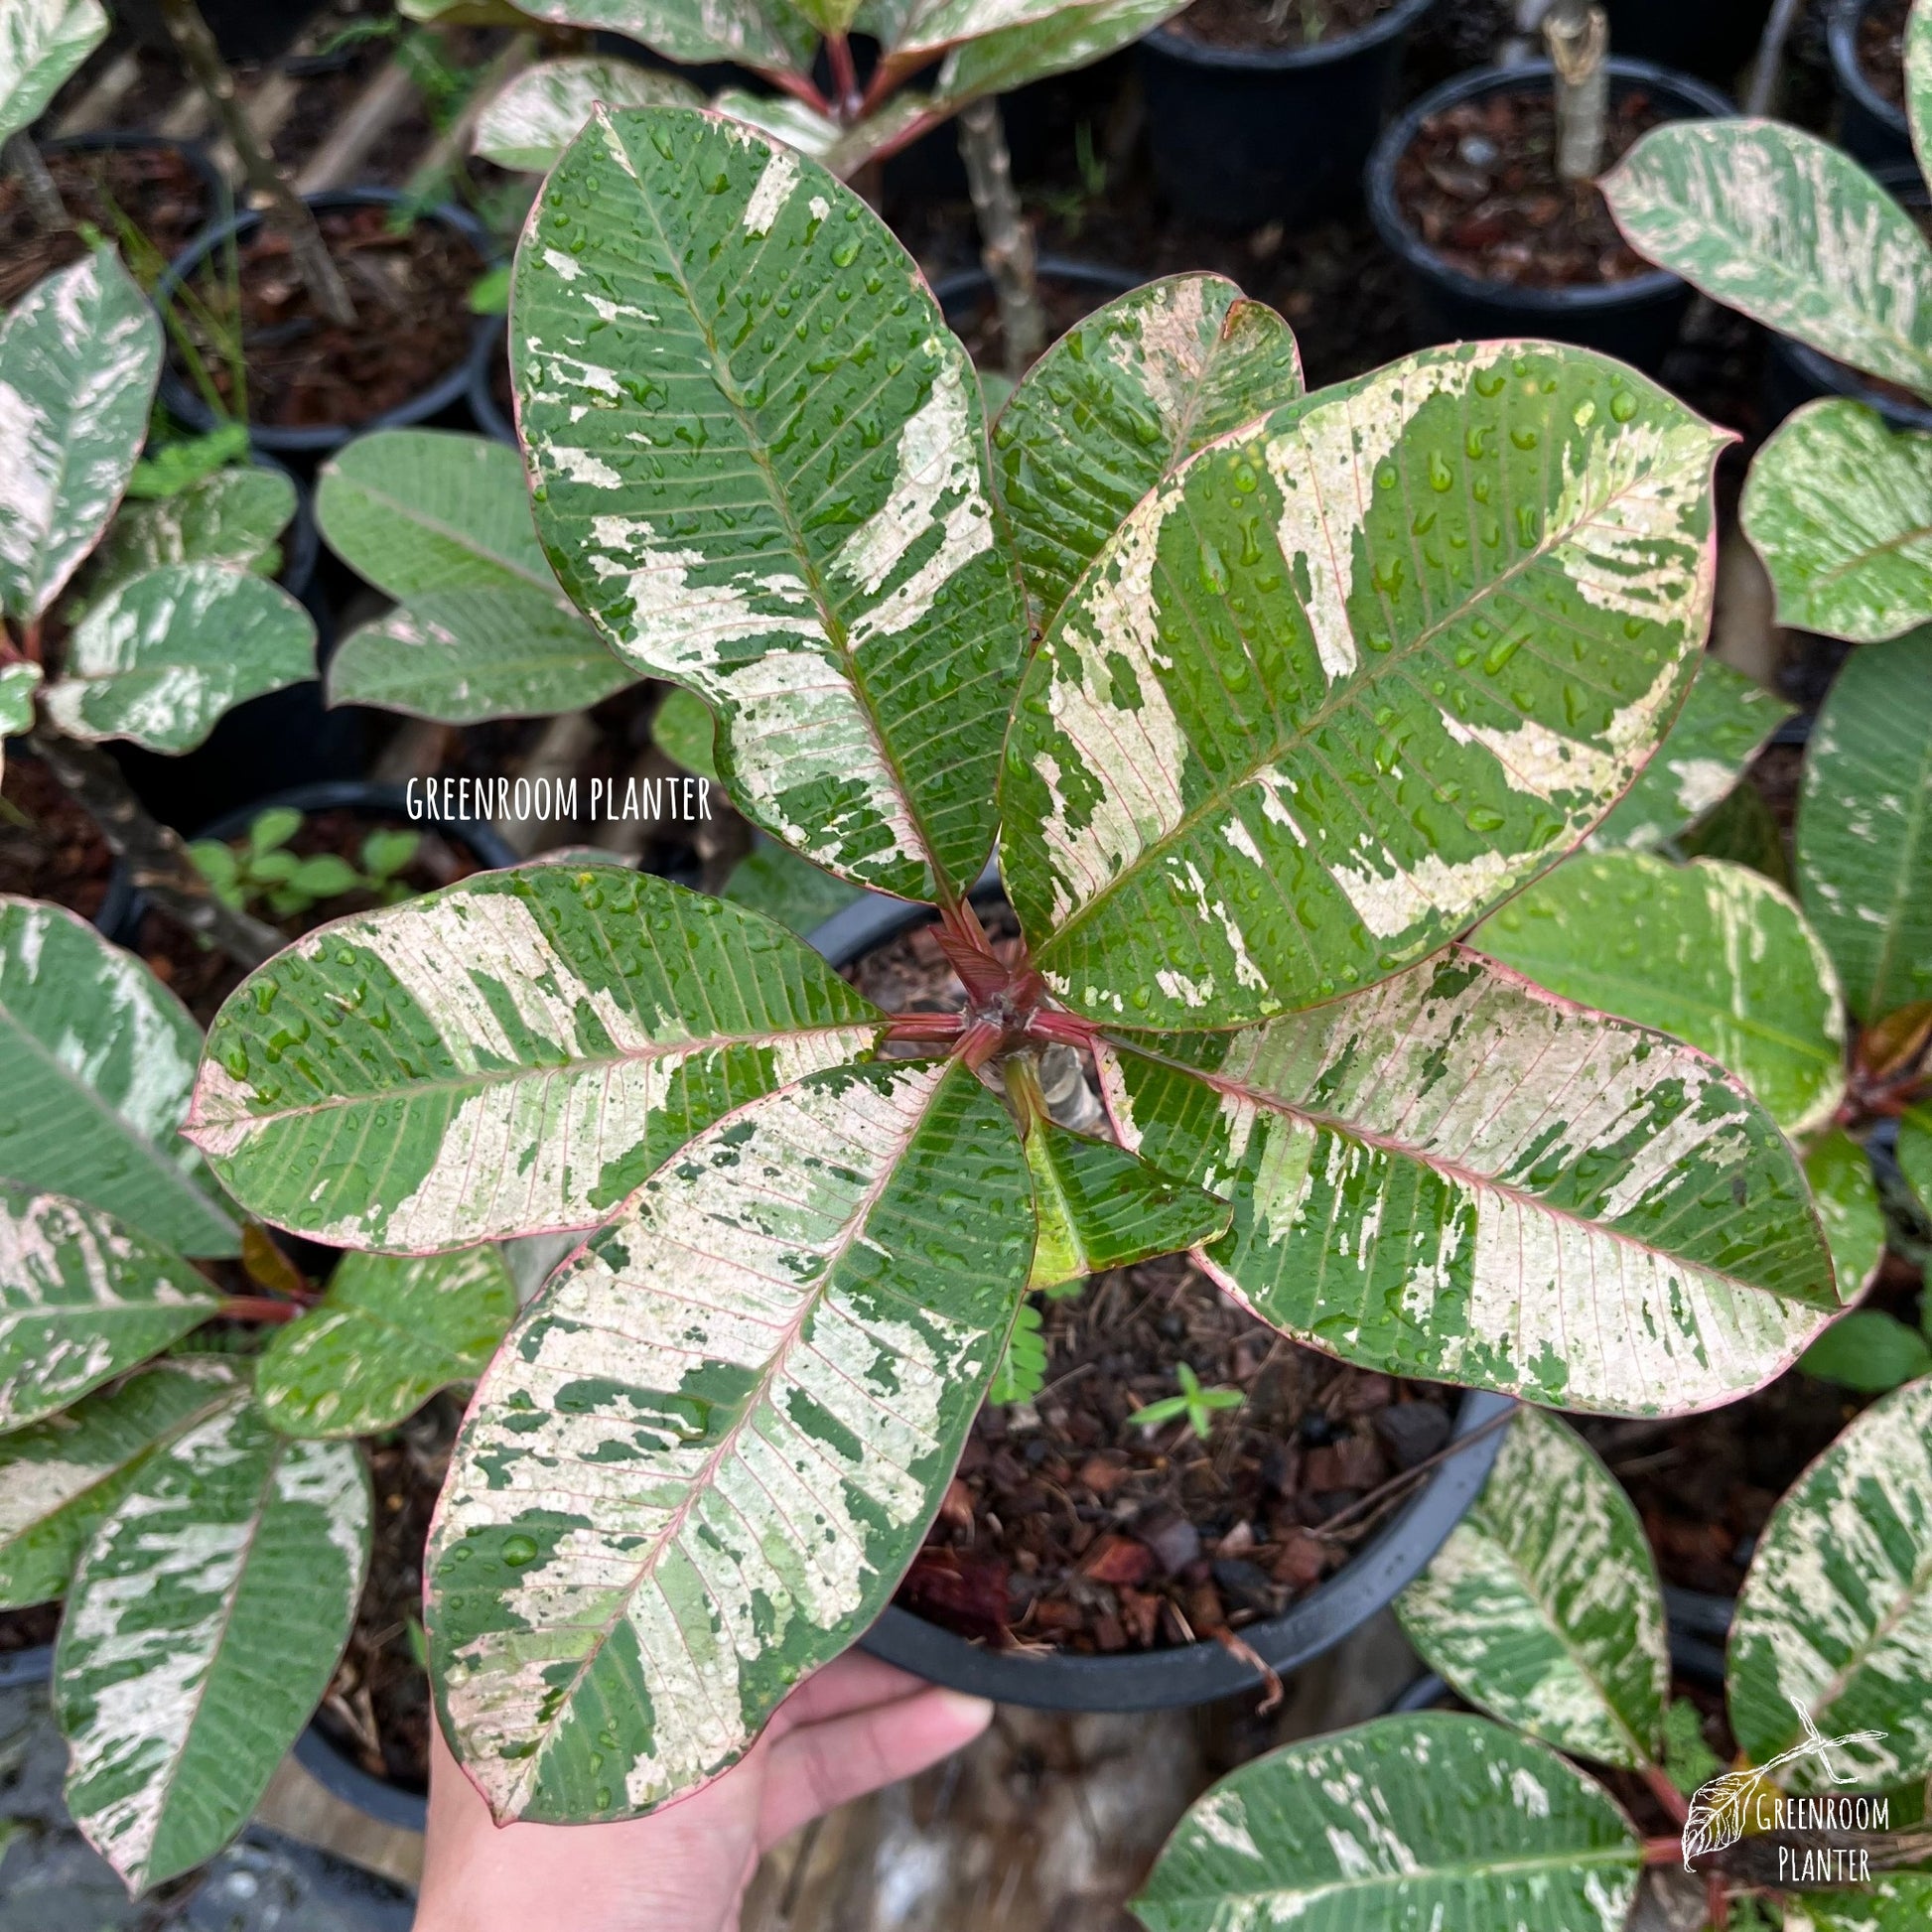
[[258, 1307], [283, 206], [1578, 38], [156, 859], [1005, 237]]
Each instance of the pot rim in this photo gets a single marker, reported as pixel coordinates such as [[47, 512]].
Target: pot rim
[[1841, 38], [1196, 1673], [339, 1774], [1166, 41], [185, 404], [1392, 225], [962, 284]]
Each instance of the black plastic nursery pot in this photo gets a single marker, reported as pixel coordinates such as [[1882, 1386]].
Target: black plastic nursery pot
[[1196, 1673], [1871, 128], [1796, 373], [490, 415], [1244, 135], [450, 388], [1634, 319], [962, 292], [336, 1772], [359, 796]]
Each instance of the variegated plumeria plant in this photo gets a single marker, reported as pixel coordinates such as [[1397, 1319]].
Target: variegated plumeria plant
[[1543, 1609], [1786, 228], [174, 619], [193, 1496], [1267, 699], [983, 48]]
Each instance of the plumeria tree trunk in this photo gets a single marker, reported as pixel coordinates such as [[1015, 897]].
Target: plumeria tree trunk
[[285, 207], [1005, 237], [1578, 37]]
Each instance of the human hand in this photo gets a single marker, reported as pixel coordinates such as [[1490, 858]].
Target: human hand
[[847, 1729]]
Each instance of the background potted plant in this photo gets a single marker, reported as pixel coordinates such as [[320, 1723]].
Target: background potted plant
[[1258, 112], [1543, 1610], [853, 120], [1486, 190]]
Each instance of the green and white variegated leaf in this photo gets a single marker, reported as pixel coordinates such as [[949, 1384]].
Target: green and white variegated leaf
[[783, 117], [841, 149], [1118, 404], [1544, 1606], [1840, 508], [1306, 717], [41, 44], [1724, 723], [97, 1063], [761, 469], [203, 1623], [428, 509], [1889, 1902], [769, 35], [703, 1458], [82, 1299], [1919, 83], [163, 657], [1790, 230], [1068, 38], [18, 683], [926, 26], [785, 888], [1457, 1177], [1847, 1199], [1433, 1822], [229, 517], [390, 1332], [60, 1478], [537, 114], [1865, 825], [529, 1045], [80, 354], [1710, 952], [1098, 1206], [462, 656], [1836, 1611]]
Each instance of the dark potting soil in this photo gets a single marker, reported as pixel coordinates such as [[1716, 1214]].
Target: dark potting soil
[[411, 290], [48, 847], [152, 191], [1881, 49], [1479, 185], [1276, 23], [1705, 1485], [1069, 1527], [203, 977], [378, 1706]]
